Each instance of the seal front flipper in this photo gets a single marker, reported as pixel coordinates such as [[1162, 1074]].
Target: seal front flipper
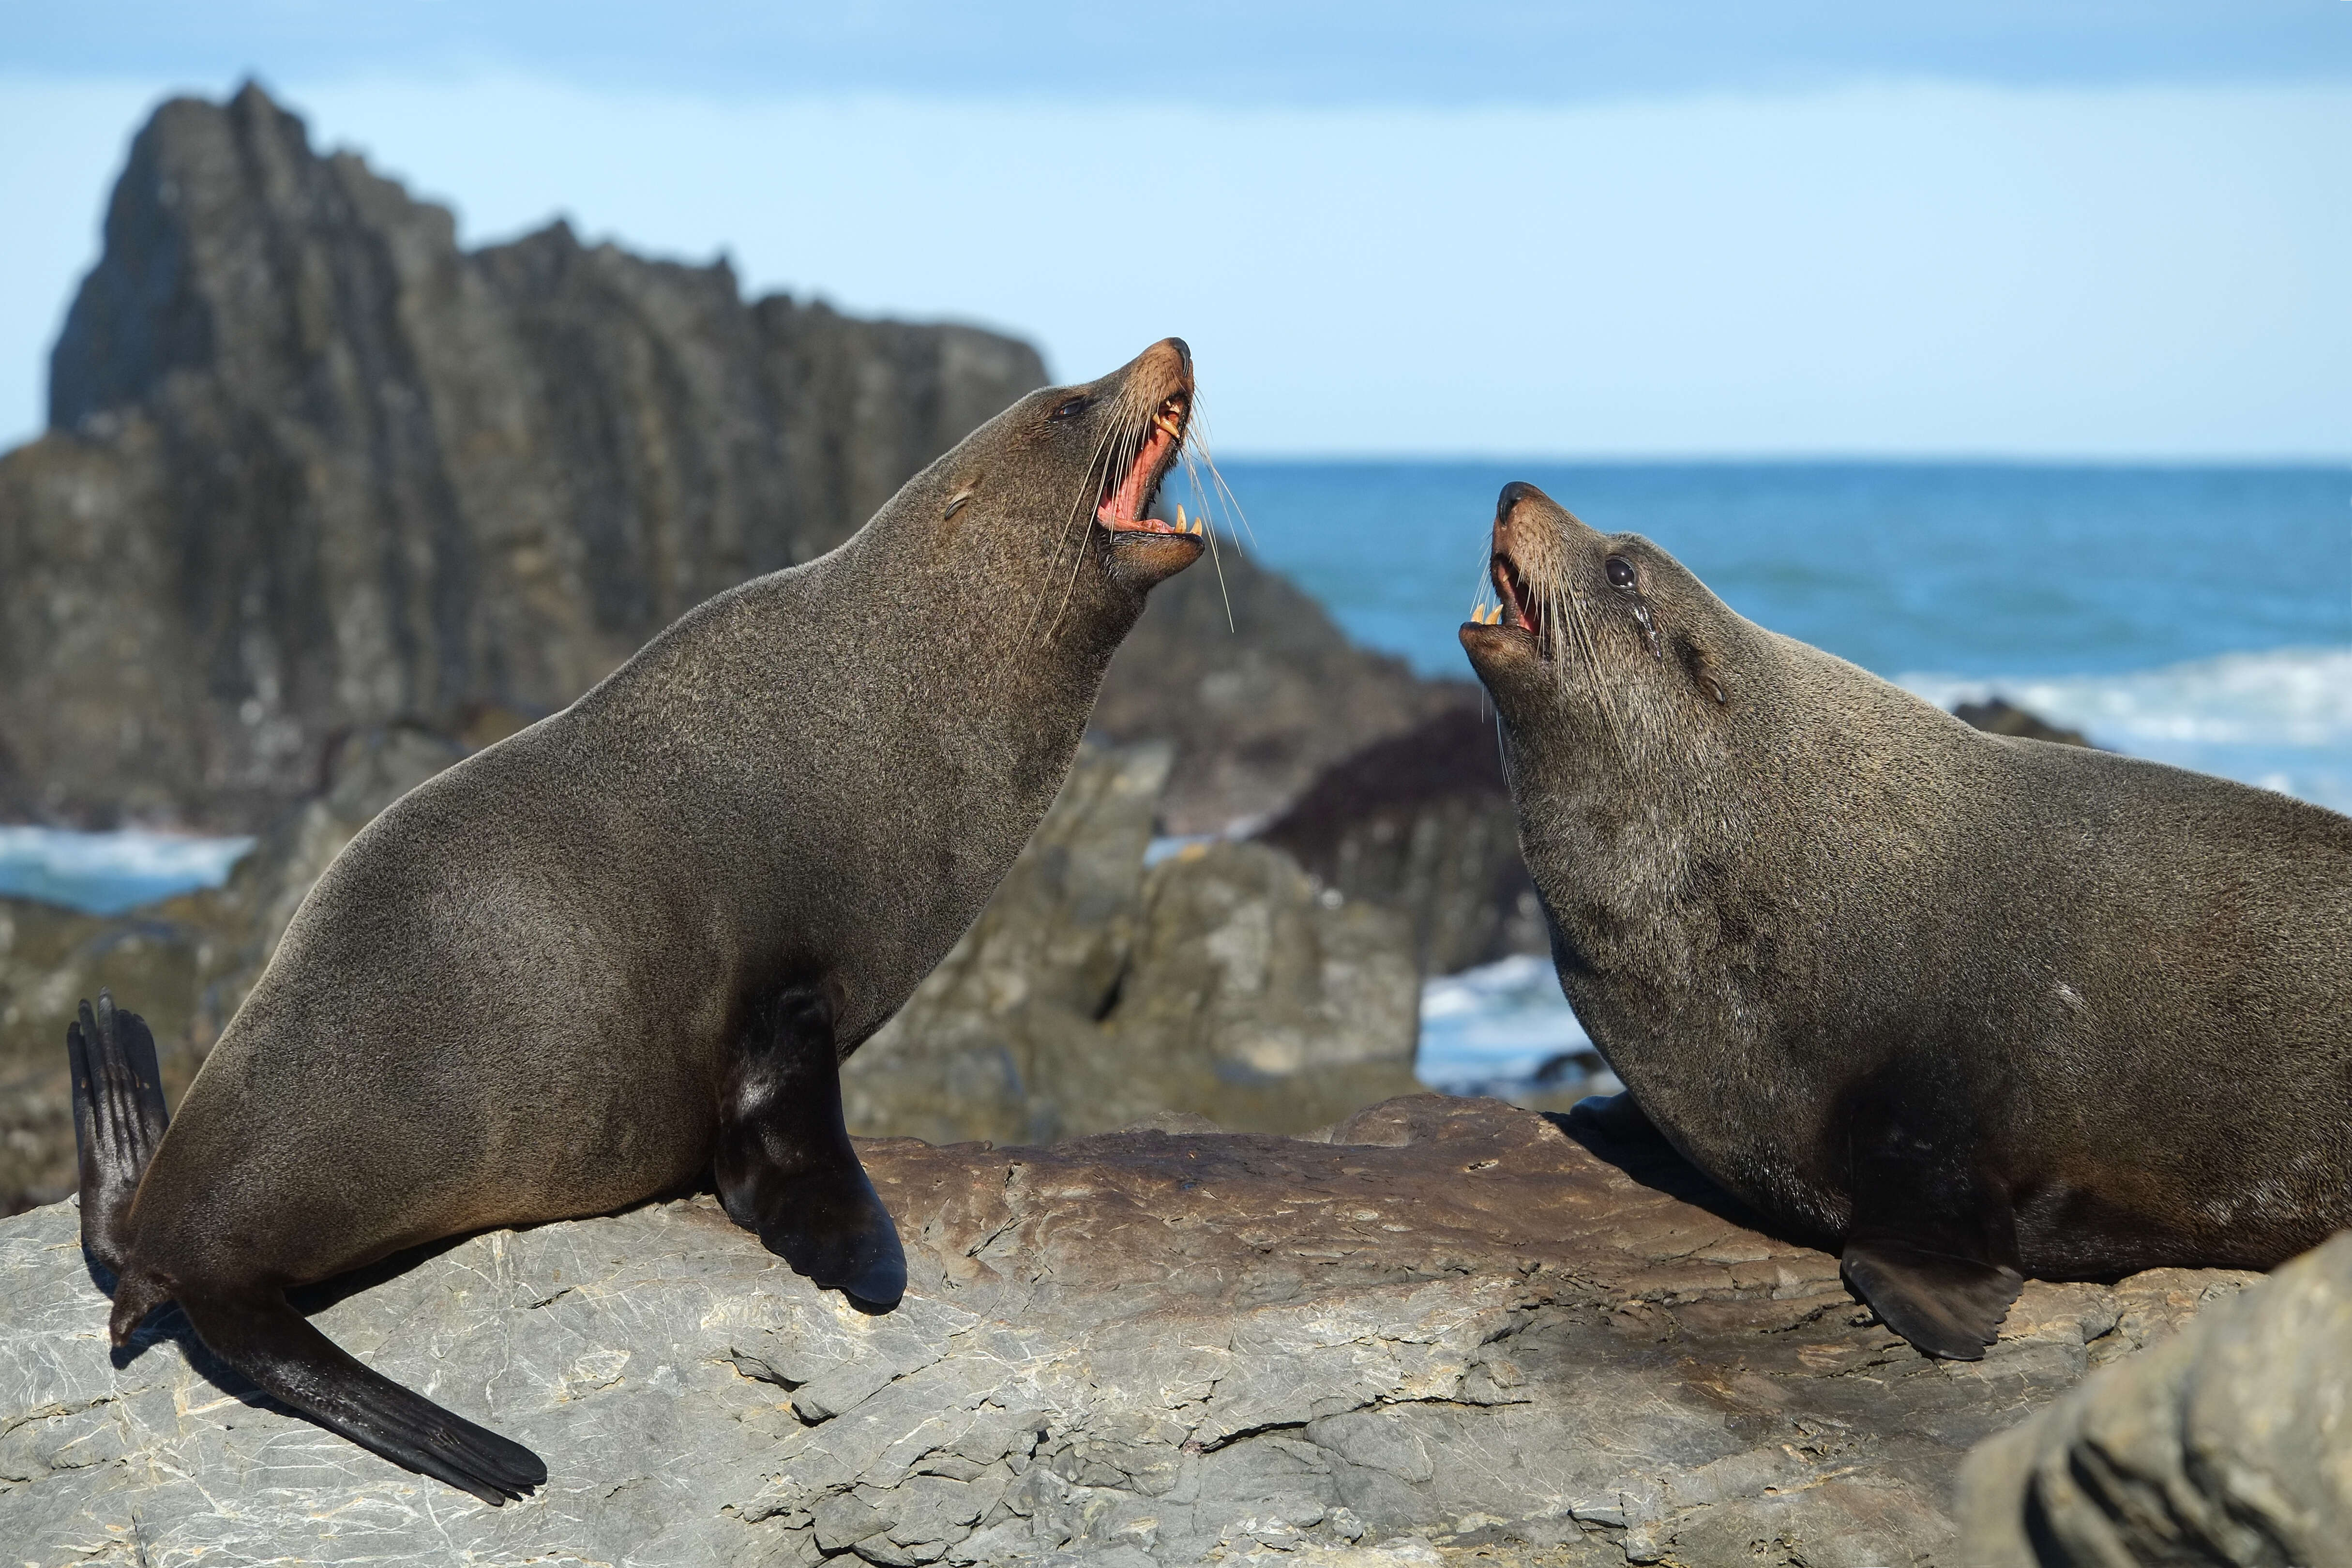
[[784, 1164], [1932, 1245]]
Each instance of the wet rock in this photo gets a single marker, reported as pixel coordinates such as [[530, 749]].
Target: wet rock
[[1996, 717], [1094, 993], [1422, 822], [1450, 1328], [2232, 1445]]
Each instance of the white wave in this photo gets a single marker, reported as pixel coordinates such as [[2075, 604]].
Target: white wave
[[2279, 720], [106, 873], [2290, 696], [1495, 1024]]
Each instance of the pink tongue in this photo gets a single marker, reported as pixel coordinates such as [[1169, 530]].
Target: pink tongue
[[1127, 501]]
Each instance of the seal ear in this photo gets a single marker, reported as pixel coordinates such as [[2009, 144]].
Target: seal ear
[[1704, 668]]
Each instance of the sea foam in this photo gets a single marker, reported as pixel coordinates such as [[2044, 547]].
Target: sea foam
[[2279, 720], [108, 873]]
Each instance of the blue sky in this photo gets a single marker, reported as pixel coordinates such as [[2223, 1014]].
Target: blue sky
[[2060, 230]]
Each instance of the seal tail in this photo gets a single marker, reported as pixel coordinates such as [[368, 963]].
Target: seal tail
[[119, 1118], [256, 1330]]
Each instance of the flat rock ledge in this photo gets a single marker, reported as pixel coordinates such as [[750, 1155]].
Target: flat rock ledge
[[1446, 1329]]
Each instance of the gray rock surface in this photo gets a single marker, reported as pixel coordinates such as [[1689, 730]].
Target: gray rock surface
[[1094, 993], [2232, 1445], [1450, 1330]]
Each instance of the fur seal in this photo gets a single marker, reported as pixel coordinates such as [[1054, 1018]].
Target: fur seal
[[631, 944], [1962, 1006]]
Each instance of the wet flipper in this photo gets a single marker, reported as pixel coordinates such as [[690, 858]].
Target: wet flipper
[[1933, 1245], [119, 1118], [785, 1167], [259, 1335]]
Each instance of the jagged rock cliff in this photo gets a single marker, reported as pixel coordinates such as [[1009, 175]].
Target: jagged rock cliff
[[312, 468]]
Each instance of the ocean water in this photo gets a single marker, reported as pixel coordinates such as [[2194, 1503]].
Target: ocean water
[[108, 873], [2198, 615]]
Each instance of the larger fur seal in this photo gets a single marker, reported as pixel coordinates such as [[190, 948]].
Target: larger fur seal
[[1963, 1006], [631, 944]]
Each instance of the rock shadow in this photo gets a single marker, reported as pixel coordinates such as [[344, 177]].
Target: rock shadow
[[1612, 1130]]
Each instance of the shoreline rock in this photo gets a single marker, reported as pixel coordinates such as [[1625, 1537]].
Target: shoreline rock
[[1452, 1326], [1095, 991], [2230, 1445]]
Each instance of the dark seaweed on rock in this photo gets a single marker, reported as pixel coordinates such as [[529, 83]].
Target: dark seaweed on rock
[[1422, 822]]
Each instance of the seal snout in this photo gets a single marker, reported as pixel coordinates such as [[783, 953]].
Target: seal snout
[[1520, 606]]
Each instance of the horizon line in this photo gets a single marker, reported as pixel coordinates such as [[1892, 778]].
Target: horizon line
[[1813, 457]]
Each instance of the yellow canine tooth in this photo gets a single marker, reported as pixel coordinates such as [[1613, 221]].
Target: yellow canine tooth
[[1181, 526]]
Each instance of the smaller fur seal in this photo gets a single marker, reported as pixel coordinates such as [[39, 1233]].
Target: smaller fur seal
[[1962, 1006], [630, 945]]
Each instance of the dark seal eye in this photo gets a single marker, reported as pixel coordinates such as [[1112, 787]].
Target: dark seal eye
[[1621, 575], [1070, 409]]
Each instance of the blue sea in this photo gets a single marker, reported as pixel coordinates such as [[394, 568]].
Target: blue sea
[[2201, 615]]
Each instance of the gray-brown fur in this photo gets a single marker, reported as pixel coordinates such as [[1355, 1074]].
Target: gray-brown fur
[[517, 996], [2112, 996]]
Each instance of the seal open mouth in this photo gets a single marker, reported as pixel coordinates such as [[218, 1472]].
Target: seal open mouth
[[1126, 501], [1519, 608]]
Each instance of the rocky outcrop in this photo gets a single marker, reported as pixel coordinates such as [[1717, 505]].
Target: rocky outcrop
[[1258, 690], [1451, 1328], [314, 468], [1094, 992], [1423, 823], [2231, 1445]]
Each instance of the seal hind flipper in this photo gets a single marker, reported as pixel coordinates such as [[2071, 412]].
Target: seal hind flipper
[[785, 1167], [1946, 1306], [119, 1118], [254, 1330]]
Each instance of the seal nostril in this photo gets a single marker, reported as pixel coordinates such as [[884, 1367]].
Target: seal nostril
[[1513, 493]]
